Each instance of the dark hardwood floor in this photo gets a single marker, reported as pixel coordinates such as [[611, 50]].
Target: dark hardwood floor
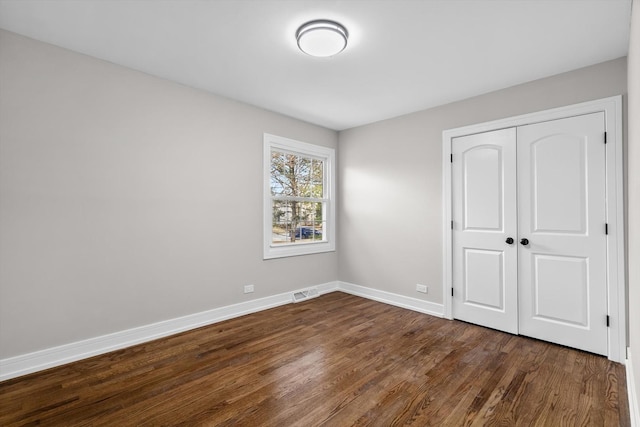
[[337, 360]]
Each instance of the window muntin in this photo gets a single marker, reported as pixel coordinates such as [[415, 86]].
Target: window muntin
[[299, 212]]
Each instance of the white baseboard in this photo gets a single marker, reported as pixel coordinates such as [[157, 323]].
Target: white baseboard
[[325, 288], [48, 358], [409, 303], [632, 392]]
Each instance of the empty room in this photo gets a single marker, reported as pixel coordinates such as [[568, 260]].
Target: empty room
[[320, 212]]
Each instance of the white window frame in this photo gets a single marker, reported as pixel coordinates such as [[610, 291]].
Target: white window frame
[[327, 154]]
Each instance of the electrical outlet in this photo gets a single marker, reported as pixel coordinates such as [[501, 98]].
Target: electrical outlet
[[248, 289], [422, 288]]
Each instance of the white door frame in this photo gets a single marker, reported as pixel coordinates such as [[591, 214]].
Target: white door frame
[[616, 287]]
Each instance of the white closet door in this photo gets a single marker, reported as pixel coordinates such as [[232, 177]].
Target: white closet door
[[561, 196], [484, 206]]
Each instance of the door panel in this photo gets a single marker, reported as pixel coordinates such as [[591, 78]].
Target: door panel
[[558, 183], [556, 280], [484, 196], [483, 278], [561, 198]]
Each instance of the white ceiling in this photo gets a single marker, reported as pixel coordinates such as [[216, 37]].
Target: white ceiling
[[403, 55]]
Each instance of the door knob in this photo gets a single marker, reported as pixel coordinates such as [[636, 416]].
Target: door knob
[[524, 242], [509, 240]]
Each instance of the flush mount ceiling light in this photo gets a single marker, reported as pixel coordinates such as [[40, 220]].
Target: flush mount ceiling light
[[322, 38]]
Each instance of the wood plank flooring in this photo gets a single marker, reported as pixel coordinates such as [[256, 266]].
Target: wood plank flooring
[[337, 360]]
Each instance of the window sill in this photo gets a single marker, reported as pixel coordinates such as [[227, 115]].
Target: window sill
[[283, 251]]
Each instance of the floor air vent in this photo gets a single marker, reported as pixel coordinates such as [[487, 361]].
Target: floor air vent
[[305, 294]]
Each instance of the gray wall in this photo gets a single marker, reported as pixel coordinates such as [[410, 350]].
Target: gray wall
[[633, 192], [127, 199], [390, 189]]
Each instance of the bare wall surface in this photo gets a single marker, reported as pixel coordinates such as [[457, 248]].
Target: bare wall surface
[[390, 186], [126, 199], [633, 192]]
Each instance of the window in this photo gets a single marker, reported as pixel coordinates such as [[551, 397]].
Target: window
[[299, 191]]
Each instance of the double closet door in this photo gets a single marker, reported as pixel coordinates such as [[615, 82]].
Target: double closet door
[[529, 237]]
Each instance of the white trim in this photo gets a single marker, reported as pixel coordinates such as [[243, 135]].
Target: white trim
[[422, 306], [48, 358], [615, 242], [327, 154], [328, 287], [632, 393], [447, 218], [612, 107]]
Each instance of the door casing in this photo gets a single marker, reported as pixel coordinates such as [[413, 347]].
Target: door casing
[[616, 287]]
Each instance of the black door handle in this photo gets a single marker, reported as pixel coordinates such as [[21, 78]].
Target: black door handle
[[524, 242], [509, 240]]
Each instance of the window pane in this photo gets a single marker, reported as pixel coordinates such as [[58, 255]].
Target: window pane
[[282, 221], [278, 175], [297, 222], [296, 176], [317, 175]]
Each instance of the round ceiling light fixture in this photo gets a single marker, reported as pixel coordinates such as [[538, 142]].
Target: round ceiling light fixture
[[322, 38]]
